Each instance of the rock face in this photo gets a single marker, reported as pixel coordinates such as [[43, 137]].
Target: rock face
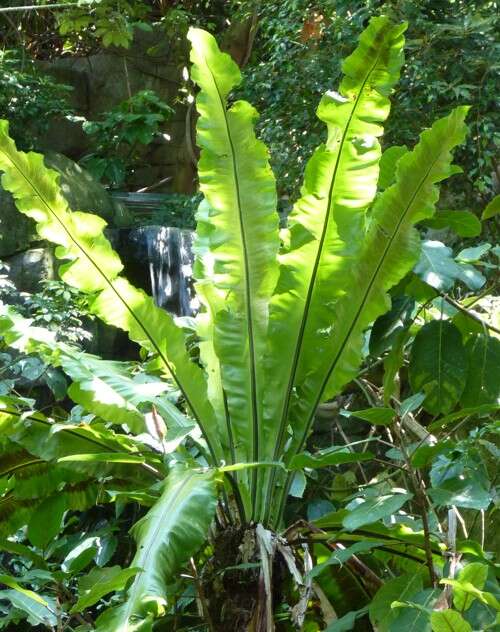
[[86, 194], [27, 269], [17, 232]]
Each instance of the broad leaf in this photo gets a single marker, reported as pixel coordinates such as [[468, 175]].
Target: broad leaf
[[81, 555], [449, 621], [46, 521], [461, 492], [483, 377], [415, 619], [103, 387], [331, 456], [8, 580], [326, 225], [92, 266], [387, 328], [438, 366], [492, 208], [374, 509], [377, 416], [463, 223], [347, 622], [474, 573], [440, 270], [172, 531], [467, 593], [50, 441], [392, 364], [476, 411], [393, 535], [389, 252], [388, 163], [401, 588], [104, 457], [473, 254], [35, 612], [342, 555], [100, 582]]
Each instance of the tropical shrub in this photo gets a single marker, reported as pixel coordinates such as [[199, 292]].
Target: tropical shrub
[[217, 428], [120, 133]]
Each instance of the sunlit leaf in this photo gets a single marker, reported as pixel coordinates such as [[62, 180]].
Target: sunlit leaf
[[474, 573], [172, 531], [332, 456], [463, 223], [440, 270], [376, 416], [449, 621], [100, 582], [341, 556], [492, 208]]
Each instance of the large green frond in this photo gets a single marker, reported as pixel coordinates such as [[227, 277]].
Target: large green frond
[[44, 438], [241, 242], [390, 250], [172, 531], [326, 226], [107, 389], [211, 303]]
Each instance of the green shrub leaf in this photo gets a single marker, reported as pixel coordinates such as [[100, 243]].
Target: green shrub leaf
[[438, 366], [46, 520], [374, 509], [449, 621], [483, 377]]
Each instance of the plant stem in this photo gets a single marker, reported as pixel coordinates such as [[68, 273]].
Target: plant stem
[[202, 597], [422, 503]]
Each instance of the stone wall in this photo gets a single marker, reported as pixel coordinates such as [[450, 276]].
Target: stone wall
[[100, 81]]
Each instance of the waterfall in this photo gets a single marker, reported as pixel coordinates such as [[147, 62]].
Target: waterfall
[[169, 256]]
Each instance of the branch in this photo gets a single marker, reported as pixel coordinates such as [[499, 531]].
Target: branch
[[467, 312], [38, 7]]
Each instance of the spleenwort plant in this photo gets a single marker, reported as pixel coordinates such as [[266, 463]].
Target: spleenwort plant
[[283, 316]]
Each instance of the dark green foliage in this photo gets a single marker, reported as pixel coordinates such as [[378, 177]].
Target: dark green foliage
[[29, 97], [452, 55]]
